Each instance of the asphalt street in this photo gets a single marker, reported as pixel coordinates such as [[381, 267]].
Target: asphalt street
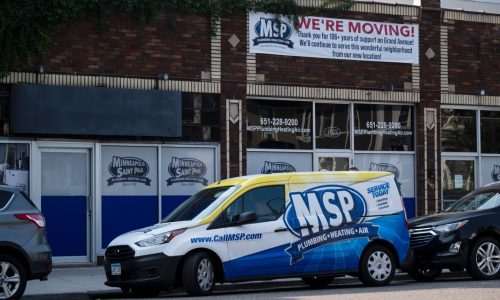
[[450, 286]]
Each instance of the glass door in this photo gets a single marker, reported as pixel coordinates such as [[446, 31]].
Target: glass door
[[458, 177], [65, 202], [329, 161]]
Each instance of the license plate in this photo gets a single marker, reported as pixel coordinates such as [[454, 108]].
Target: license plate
[[116, 269]]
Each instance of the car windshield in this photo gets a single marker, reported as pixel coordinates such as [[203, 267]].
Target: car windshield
[[200, 204], [476, 201]]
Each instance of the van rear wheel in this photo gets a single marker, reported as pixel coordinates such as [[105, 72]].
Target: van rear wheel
[[198, 274], [377, 266], [318, 282]]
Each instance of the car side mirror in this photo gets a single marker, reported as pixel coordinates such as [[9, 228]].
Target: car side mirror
[[244, 218]]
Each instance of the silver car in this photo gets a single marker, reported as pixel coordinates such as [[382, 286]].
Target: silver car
[[24, 251]]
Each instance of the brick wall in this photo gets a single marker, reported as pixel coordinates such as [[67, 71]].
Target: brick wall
[[430, 83], [474, 57], [233, 86], [126, 46]]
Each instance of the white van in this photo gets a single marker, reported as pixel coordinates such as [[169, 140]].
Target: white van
[[315, 226]]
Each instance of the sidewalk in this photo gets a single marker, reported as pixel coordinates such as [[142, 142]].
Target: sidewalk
[[69, 280]]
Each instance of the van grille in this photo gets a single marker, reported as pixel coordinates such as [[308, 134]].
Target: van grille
[[421, 236], [117, 253]]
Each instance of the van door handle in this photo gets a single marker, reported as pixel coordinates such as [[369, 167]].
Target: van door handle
[[281, 229], [309, 226]]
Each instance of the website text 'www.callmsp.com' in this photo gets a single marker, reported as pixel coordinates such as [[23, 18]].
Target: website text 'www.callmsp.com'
[[227, 238]]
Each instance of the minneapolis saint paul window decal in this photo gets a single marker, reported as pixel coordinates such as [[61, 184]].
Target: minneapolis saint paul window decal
[[187, 170], [128, 169]]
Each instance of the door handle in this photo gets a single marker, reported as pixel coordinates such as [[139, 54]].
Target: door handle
[[309, 226], [281, 229]]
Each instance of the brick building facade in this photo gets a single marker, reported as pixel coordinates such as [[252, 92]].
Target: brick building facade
[[223, 84]]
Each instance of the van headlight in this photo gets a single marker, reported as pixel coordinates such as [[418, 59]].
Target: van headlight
[[159, 239], [450, 227]]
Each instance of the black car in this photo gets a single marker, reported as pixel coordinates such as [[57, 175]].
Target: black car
[[466, 235]]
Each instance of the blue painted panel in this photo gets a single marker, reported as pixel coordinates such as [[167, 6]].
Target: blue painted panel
[[121, 214], [66, 218], [269, 262], [169, 203], [409, 207], [335, 256]]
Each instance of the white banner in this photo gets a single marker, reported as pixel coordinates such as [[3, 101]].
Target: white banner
[[334, 38]]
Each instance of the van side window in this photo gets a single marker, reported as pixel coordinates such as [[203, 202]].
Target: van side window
[[267, 202]]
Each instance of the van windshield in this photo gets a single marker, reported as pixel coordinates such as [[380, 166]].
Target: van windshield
[[200, 204]]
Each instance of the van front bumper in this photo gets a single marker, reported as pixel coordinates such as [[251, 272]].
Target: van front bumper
[[157, 270]]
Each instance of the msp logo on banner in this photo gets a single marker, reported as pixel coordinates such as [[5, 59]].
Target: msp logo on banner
[[277, 167], [187, 170], [128, 169], [323, 215], [273, 32], [495, 174]]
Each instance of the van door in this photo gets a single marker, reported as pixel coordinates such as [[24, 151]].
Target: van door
[[257, 248], [327, 223]]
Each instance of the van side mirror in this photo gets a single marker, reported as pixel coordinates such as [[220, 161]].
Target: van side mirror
[[244, 218]]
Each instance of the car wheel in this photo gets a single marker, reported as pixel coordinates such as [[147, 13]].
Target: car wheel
[[425, 274], [198, 274], [484, 259], [12, 278], [318, 282], [377, 266]]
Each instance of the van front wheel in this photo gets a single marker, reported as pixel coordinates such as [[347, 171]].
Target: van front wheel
[[198, 274], [377, 266]]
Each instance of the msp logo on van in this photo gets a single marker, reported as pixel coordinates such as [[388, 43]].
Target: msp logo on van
[[332, 132], [128, 169], [323, 215], [187, 170], [277, 167], [495, 174], [273, 31]]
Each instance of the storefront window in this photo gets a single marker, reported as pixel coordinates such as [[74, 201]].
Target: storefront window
[[332, 126], [383, 127], [200, 117], [458, 130], [458, 179], [490, 169], [490, 131], [279, 124], [15, 165]]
